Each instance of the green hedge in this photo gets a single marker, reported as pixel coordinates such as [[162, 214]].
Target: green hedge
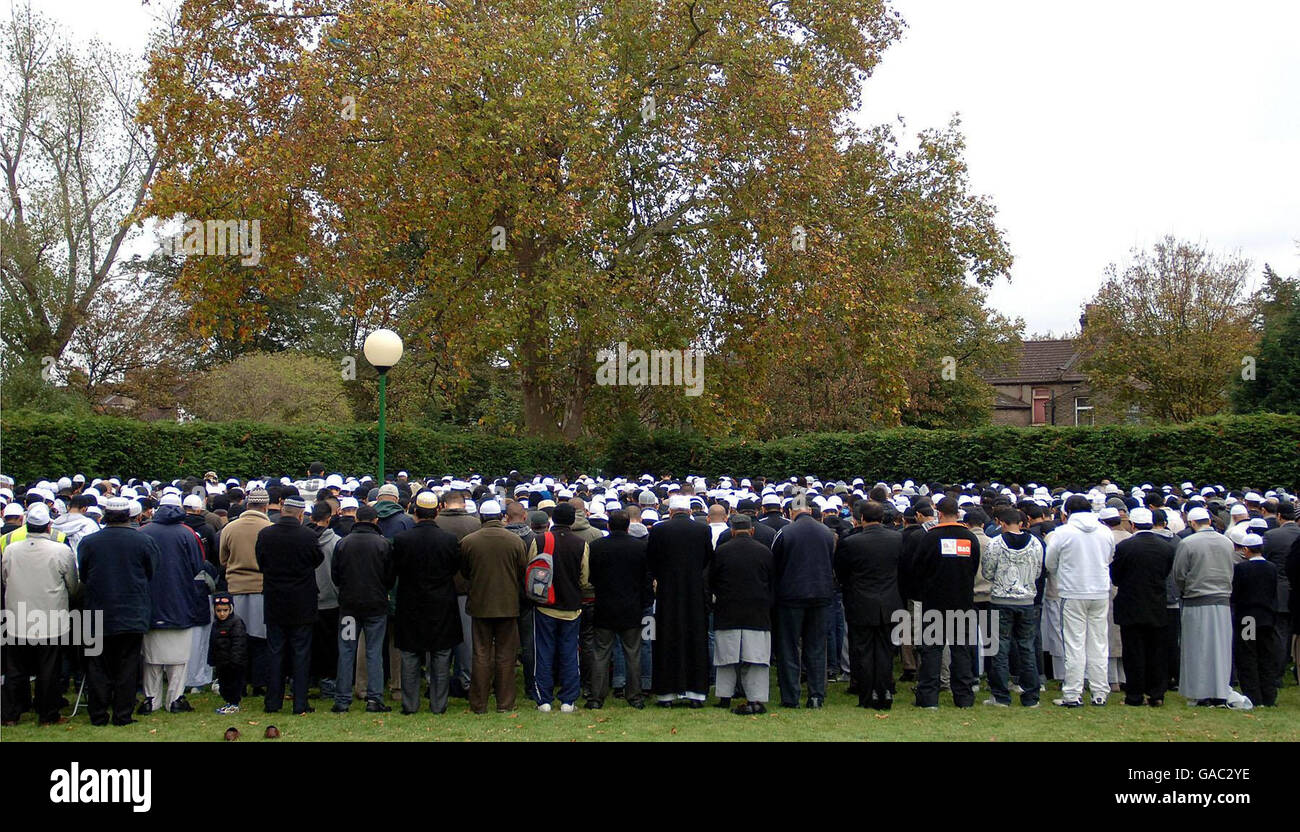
[[1262, 450]]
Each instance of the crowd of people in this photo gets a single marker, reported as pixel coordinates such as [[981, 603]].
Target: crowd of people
[[645, 590]]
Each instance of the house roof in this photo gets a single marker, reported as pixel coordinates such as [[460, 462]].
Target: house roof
[[1052, 360], [1001, 401]]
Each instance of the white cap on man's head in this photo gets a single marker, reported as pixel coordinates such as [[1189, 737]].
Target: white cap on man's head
[[192, 501], [38, 515], [13, 510], [348, 502], [1199, 515], [1141, 516], [679, 502], [1239, 510], [170, 500], [490, 508]]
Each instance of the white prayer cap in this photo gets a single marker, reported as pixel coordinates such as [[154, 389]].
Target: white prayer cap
[[64, 483], [459, 485], [79, 478], [38, 515], [192, 501], [470, 507], [1239, 510], [348, 502], [1253, 541], [1140, 515], [334, 481], [1237, 534], [771, 499], [679, 502], [1108, 513], [13, 510], [170, 500], [1251, 497], [490, 508], [1198, 514], [135, 507], [649, 514]]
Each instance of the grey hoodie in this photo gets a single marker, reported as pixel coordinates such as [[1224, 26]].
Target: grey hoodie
[[75, 527], [327, 594], [1013, 571]]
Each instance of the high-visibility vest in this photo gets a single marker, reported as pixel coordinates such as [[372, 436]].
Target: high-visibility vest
[[20, 533]]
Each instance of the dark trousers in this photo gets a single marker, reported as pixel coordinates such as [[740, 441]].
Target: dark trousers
[[961, 672], [1173, 643], [871, 662], [496, 643], [1017, 625], [113, 677], [1256, 664], [555, 659], [587, 647], [526, 612], [801, 627], [1146, 651], [605, 639], [294, 645], [22, 661], [230, 678], [325, 648], [1282, 631], [257, 660]]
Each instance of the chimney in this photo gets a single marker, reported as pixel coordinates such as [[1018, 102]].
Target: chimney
[[1083, 317]]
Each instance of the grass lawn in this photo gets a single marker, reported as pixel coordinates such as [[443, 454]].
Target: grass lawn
[[840, 720]]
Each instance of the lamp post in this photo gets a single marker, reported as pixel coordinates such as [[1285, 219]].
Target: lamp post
[[383, 349]]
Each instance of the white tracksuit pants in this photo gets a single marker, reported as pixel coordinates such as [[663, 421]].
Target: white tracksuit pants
[[1087, 647]]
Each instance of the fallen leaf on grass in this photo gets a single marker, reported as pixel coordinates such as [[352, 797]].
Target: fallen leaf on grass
[[882, 716], [674, 731], [153, 730]]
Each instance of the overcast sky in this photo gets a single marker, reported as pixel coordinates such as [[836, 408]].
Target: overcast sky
[[1095, 128]]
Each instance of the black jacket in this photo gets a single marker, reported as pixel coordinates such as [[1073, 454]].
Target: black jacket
[[363, 572], [228, 644], [342, 524], [805, 556], [947, 558], [763, 533], [1139, 570], [866, 564], [741, 578], [1254, 592], [618, 572], [117, 564], [425, 561], [774, 520], [566, 561], [287, 554], [207, 536]]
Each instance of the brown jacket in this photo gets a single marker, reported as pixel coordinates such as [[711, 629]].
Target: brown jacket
[[492, 559], [239, 552]]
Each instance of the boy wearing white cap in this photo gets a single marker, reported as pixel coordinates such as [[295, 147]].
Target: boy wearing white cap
[[1254, 596]]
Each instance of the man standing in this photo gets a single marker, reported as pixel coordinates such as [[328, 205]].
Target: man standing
[[392, 519], [426, 561], [40, 575], [117, 564], [555, 623], [621, 581], [1203, 574], [179, 588], [1013, 562], [1254, 599], [677, 553], [492, 561], [1079, 553], [1139, 571], [741, 580], [454, 518], [804, 557], [945, 563], [866, 564], [363, 572], [287, 554], [324, 637], [1277, 546], [238, 548]]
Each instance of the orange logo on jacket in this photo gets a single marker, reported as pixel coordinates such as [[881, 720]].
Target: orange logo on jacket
[[954, 548]]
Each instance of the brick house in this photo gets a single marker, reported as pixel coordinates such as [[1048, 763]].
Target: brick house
[[1043, 386]]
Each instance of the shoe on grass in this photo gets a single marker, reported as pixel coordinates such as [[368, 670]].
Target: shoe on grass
[[228, 709], [996, 704], [567, 708], [545, 707]]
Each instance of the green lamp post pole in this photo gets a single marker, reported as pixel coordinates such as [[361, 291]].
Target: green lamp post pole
[[383, 349]]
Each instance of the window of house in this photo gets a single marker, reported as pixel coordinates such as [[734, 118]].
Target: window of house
[[1082, 410], [1041, 397]]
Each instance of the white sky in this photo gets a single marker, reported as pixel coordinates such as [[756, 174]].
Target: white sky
[[1095, 127]]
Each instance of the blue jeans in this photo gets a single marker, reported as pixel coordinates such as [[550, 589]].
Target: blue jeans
[[1016, 628], [374, 628], [555, 651], [298, 641], [801, 627], [836, 627]]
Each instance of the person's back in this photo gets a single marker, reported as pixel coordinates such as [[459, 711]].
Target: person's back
[[1254, 592], [804, 558], [621, 580], [493, 560], [117, 563], [1140, 571], [40, 574], [1013, 564], [741, 579], [426, 559], [179, 595], [1079, 553], [363, 571], [288, 554], [238, 548], [866, 565], [947, 560], [1203, 566]]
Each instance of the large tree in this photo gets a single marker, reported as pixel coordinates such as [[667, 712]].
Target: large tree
[[1272, 381], [1169, 333], [527, 182], [76, 166]]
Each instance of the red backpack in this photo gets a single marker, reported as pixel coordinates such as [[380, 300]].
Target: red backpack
[[539, 575]]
